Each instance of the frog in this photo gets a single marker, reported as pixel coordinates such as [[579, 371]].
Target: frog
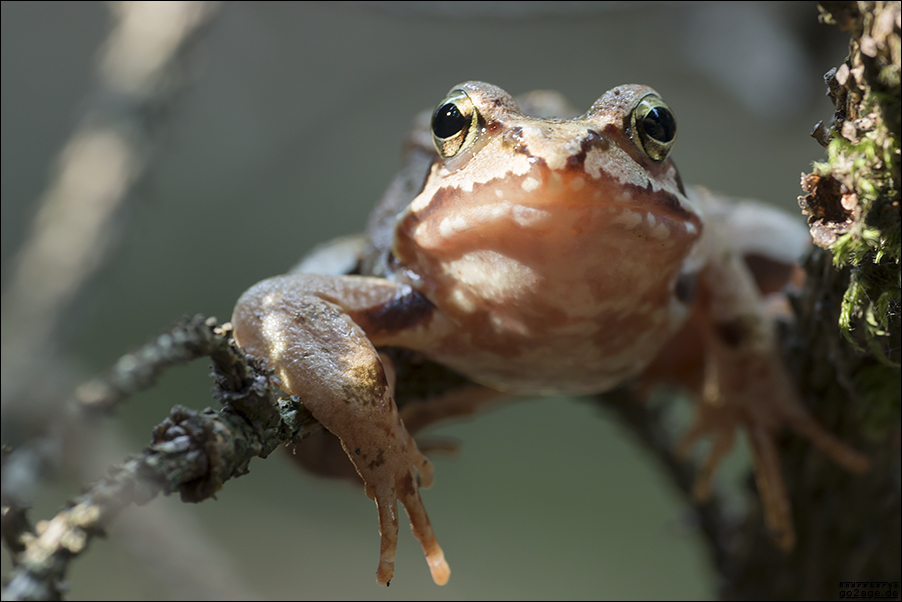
[[533, 250]]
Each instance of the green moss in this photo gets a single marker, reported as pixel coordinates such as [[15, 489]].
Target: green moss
[[871, 247]]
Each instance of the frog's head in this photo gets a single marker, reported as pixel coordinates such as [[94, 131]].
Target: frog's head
[[514, 201]]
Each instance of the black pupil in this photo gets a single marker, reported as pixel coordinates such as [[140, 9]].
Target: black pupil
[[447, 121], [659, 125]]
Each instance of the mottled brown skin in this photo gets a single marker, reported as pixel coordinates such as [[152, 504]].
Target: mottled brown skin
[[537, 255], [319, 352]]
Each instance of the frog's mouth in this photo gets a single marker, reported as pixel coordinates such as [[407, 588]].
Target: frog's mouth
[[525, 250], [549, 208]]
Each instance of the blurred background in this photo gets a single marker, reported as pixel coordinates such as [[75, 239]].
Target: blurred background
[[285, 132]]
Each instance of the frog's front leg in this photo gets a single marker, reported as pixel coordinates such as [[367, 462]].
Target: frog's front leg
[[317, 333], [747, 385]]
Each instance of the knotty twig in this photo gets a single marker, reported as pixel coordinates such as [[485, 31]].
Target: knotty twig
[[192, 453]]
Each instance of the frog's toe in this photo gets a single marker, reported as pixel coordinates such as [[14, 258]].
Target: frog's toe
[[771, 487], [438, 566], [715, 421], [404, 489], [835, 449], [722, 444], [386, 504], [421, 527]]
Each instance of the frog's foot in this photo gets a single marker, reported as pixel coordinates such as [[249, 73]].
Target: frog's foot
[[746, 385], [720, 422], [394, 469], [386, 495], [393, 480], [768, 473], [762, 407]]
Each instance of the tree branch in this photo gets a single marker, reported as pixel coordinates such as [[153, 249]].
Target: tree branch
[[193, 453]]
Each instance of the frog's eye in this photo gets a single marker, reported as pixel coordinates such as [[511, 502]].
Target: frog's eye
[[454, 124], [653, 127]]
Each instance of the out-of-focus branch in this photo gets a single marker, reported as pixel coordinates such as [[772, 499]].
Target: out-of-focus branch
[[192, 453], [140, 71]]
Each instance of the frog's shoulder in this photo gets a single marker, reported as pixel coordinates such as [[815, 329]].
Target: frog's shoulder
[[770, 240], [340, 256]]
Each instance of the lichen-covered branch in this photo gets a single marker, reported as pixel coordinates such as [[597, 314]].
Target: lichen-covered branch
[[853, 197], [844, 345], [192, 452]]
